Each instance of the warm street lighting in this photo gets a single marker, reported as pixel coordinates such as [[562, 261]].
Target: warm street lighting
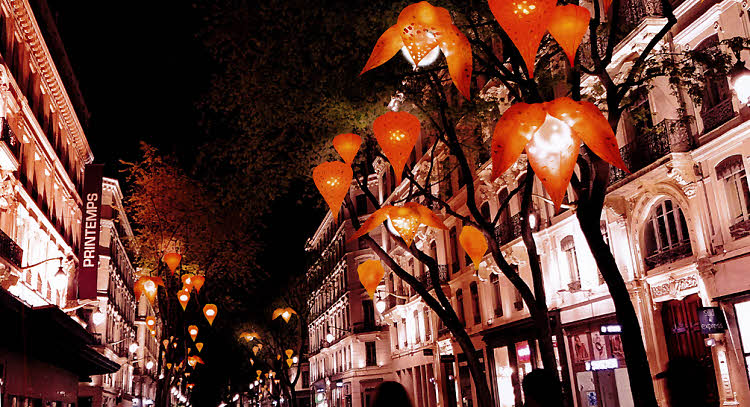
[[739, 78], [236, 397], [405, 219], [198, 282], [568, 25], [397, 133], [150, 322], [347, 145], [61, 279], [184, 297], [209, 310], [149, 365], [172, 260], [133, 347], [284, 313], [333, 180], [98, 318], [187, 281], [380, 306], [329, 337], [295, 359], [199, 346], [147, 285], [474, 244], [371, 272], [193, 331]]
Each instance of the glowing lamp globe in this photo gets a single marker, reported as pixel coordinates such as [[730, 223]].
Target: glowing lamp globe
[[259, 372], [151, 322], [199, 346], [329, 337], [380, 306], [60, 280], [739, 78], [209, 310], [173, 261], [98, 317], [193, 331], [198, 282], [133, 347], [333, 180], [183, 297], [525, 22], [153, 332], [474, 244], [295, 359], [370, 272], [149, 365], [397, 133], [347, 145]]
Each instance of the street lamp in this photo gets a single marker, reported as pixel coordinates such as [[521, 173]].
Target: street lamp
[[739, 78], [133, 347]]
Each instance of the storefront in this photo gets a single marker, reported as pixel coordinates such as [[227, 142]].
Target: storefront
[[597, 360], [513, 352]]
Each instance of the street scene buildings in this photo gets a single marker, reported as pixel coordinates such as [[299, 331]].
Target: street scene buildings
[[677, 226]]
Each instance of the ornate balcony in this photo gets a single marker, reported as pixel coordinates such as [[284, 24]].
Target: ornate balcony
[[10, 250], [670, 255], [427, 281], [717, 115], [507, 231], [10, 146]]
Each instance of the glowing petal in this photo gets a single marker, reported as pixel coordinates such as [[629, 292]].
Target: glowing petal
[[193, 331], [172, 260], [513, 131], [474, 244], [387, 46], [370, 272], [199, 346], [210, 311], [552, 153], [333, 180], [428, 217], [187, 281], [198, 282], [525, 22], [377, 218], [183, 296], [568, 25], [457, 51], [290, 362], [397, 133], [347, 145], [256, 349], [406, 221]]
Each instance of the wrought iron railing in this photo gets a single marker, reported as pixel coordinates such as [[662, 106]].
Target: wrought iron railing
[[717, 115], [652, 144], [507, 231], [679, 251], [10, 250], [7, 136], [442, 277]]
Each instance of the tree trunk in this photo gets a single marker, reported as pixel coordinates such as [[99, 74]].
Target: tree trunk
[[639, 373], [484, 396]]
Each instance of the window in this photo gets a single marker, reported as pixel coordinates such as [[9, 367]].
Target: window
[[369, 314], [453, 242], [417, 331], [732, 172], [497, 294], [517, 300], [666, 235], [475, 303], [371, 355], [485, 210], [361, 203], [395, 333], [460, 305], [427, 325], [569, 248]]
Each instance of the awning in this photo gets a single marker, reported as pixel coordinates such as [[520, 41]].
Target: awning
[[49, 335]]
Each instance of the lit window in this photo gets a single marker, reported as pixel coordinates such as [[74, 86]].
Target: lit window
[[666, 235], [568, 247], [732, 172], [497, 294], [475, 303]]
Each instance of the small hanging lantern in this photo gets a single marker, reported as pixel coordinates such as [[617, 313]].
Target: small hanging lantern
[[405, 219], [551, 134], [169, 366], [370, 274], [193, 331], [165, 343], [258, 372], [347, 145], [284, 313], [289, 353], [190, 350], [151, 322], [172, 260], [525, 22], [199, 346], [184, 297], [397, 133], [198, 282], [568, 25], [290, 362], [153, 332], [278, 356], [256, 349], [333, 180], [252, 362], [474, 244], [260, 346], [421, 32], [147, 285], [210, 312], [187, 281]]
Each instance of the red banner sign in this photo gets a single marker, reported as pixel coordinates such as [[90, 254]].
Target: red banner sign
[[92, 215]]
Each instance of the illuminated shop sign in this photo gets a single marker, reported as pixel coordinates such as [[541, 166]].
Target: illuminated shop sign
[[605, 364], [613, 329]]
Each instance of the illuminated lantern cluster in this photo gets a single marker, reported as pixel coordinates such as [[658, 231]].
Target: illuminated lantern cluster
[[194, 360], [347, 145], [183, 296], [193, 331], [333, 180], [284, 313], [551, 134], [210, 312], [173, 261], [397, 133], [422, 30], [474, 244], [147, 285], [370, 272], [405, 219], [198, 282]]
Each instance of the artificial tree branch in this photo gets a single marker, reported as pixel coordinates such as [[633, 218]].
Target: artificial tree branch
[[504, 205]]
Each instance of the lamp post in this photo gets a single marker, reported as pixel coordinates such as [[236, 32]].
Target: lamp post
[[330, 337], [380, 305]]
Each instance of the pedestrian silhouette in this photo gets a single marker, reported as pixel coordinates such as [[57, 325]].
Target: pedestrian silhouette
[[542, 388], [685, 382], [391, 394]]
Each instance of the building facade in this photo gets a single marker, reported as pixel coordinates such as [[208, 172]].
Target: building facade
[[677, 226]]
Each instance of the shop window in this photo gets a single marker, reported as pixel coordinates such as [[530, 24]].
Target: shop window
[[569, 248], [460, 306], [475, 303], [742, 310], [732, 173], [497, 294], [666, 236], [371, 358]]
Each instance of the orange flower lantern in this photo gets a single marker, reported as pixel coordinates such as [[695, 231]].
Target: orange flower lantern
[[246, 336], [190, 350], [199, 346], [256, 349], [405, 219], [474, 244], [551, 134], [194, 360], [289, 353], [193, 331], [187, 281], [284, 313], [190, 386], [260, 346], [259, 372], [525, 22], [151, 322], [370, 272], [568, 25], [165, 343], [149, 286], [347, 145], [169, 366], [278, 357], [172, 260], [252, 362], [184, 297], [290, 362], [333, 180], [210, 312], [198, 282], [153, 332], [397, 133], [421, 31]]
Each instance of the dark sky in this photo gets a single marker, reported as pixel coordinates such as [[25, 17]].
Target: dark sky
[[141, 70]]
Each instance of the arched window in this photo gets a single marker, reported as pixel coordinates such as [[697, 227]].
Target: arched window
[[665, 236], [732, 173], [475, 303]]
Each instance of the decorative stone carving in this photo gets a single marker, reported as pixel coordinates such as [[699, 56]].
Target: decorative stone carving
[[682, 173]]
